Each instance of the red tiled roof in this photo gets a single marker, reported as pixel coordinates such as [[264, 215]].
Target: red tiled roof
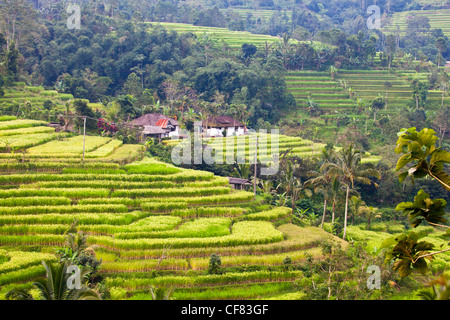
[[162, 123]]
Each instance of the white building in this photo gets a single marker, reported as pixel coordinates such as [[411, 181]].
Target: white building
[[223, 126]]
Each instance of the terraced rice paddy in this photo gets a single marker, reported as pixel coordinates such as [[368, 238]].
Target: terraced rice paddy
[[143, 216], [233, 39], [132, 232], [20, 94], [241, 149], [320, 87], [261, 14], [370, 85], [439, 19]]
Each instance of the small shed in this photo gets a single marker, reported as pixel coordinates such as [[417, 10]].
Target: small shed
[[153, 131], [238, 183]]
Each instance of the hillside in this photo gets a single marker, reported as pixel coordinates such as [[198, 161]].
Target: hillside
[[133, 211], [438, 20]]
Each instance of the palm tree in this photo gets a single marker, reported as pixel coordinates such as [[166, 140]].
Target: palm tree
[[348, 169], [291, 185], [369, 213], [55, 287], [161, 293], [356, 203], [321, 184]]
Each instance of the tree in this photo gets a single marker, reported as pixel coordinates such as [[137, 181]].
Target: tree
[[55, 286], [12, 57], [369, 213], [419, 91], [387, 87], [17, 18], [348, 169], [444, 85], [441, 122], [441, 45], [84, 110], [161, 293], [291, 185], [423, 159]]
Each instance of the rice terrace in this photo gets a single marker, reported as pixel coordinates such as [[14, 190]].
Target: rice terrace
[[136, 137]]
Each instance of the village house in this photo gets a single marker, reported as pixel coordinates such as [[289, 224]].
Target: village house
[[223, 126], [157, 125]]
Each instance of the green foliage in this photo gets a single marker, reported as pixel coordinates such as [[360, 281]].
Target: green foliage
[[408, 253], [215, 263], [419, 149], [424, 209]]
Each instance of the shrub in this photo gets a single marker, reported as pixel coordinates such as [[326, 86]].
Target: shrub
[[215, 263]]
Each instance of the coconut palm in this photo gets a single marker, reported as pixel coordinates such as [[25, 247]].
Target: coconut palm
[[349, 169], [291, 185], [369, 213], [55, 286]]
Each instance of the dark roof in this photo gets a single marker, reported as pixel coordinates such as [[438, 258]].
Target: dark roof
[[153, 130], [232, 180], [150, 119], [222, 122]]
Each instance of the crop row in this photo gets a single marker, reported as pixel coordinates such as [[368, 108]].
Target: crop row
[[197, 228], [208, 212], [29, 130], [293, 242], [19, 260], [150, 166], [111, 184], [244, 232], [33, 201], [273, 214], [73, 145], [170, 192], [95, 208], [50, 166], [83, 218], [19, 123], [20, 141], [183, 176], [22, 275], [201, 280], [56, 192], [212, 199], [105, 150]]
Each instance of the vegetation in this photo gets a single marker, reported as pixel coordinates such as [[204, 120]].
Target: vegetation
[[361, 150]]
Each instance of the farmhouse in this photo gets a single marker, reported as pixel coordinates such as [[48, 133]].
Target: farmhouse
[[157, 125], [223, 126]]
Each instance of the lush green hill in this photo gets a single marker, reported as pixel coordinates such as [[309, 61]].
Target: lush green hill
[[132, 212]]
